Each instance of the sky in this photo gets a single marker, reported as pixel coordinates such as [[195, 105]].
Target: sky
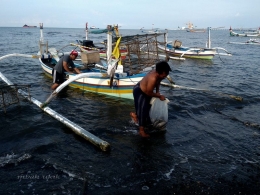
[[131, 14]]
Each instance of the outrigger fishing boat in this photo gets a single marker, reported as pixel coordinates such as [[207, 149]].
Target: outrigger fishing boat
[[175, 48], [113, 77], [249, 42], [88, 45], [245, 34], [151, 31]]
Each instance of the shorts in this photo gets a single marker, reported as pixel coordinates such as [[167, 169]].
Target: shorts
[[57, 77], [142, 105]]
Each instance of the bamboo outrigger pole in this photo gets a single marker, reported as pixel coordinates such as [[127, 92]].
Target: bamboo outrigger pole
[[103, 145], [19, 55], [238, 98]]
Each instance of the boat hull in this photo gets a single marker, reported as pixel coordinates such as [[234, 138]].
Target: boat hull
[[97, 82], [234, 34], [249, 42], [196, 53]]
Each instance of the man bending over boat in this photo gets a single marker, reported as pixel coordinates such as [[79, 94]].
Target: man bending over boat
[[65, 64], [143, 92]]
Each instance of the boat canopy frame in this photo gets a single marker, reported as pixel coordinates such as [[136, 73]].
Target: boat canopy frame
[[142, 51]]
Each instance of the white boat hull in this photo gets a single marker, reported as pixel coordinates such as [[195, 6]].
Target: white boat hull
[[121, 86], [189, 52]]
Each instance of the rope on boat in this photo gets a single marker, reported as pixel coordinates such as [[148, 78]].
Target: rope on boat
[[62, 48], [222, 54], [220, 57]]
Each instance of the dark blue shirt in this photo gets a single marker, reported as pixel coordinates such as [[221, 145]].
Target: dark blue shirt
[[59, 66]]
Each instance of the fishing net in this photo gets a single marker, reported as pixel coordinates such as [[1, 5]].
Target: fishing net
[[9, 95], [142, 51]]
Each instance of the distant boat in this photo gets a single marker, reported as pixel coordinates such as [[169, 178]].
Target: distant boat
[[175, 48], [26, 26], [93, 27], [192, 29], [245, 34], [249, 42], [252, 32], [88, 45], [151, 31]]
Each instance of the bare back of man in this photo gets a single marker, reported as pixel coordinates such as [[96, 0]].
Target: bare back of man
[[148, 83]]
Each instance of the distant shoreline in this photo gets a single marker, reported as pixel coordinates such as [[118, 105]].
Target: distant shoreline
[[213, 29]]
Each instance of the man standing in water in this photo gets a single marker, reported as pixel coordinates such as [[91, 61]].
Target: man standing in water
[[63, 65], [144, 91]]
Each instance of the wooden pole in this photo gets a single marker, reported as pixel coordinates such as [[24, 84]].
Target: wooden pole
[[109, 44], [86, 31]]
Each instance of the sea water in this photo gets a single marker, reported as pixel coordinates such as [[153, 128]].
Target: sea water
[[211, 146]]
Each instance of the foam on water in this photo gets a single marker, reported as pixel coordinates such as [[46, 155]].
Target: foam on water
[[13, 159]]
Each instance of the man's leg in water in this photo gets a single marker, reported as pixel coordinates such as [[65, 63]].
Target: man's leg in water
[[142, 132], [142, 102], [134, 117]]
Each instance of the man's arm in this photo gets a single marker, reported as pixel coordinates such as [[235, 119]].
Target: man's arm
[[153, 83], [66, 67], [77, 70]]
